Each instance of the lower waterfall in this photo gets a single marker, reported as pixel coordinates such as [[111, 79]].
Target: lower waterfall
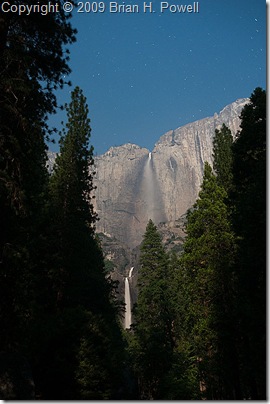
[[128, 304]]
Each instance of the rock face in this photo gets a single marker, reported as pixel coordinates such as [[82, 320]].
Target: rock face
[[51, 156], [134, 185], [127, 193]]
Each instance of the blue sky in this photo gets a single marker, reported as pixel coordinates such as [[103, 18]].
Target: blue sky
[[146, 73]]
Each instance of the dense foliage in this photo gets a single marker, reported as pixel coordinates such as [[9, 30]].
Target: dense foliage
[[249, 219], [207, 262], [222, 154], [33, 60], [153, 343]]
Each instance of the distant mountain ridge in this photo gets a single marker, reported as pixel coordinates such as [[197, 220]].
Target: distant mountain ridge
[[134, 184]]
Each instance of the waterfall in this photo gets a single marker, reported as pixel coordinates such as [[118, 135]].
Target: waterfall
[[130, 272], [127, 300], [149, 188], [151, 198], [128, 304]]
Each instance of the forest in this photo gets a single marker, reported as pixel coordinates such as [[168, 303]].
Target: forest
[[199, 325]]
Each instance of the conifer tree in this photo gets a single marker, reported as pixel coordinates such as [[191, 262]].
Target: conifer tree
[[153, 317], [207, 263], [71, 187], [222, 154], [249, 199], [181, 382], [72, 180], [32, 62], [80, 301]]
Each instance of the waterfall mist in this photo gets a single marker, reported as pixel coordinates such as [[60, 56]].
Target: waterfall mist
[[153, 204]]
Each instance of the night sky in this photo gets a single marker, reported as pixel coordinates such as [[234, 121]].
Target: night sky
[[146, 73]]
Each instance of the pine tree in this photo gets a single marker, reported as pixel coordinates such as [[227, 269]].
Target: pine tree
[[207, 264], [72, 181], [181, 382], [249, 198], [32, 62], [80, 301], [71, 187], [222, 154], [153, 317]]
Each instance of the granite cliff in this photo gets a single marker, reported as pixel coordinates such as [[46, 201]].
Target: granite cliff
[[134, 184]]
